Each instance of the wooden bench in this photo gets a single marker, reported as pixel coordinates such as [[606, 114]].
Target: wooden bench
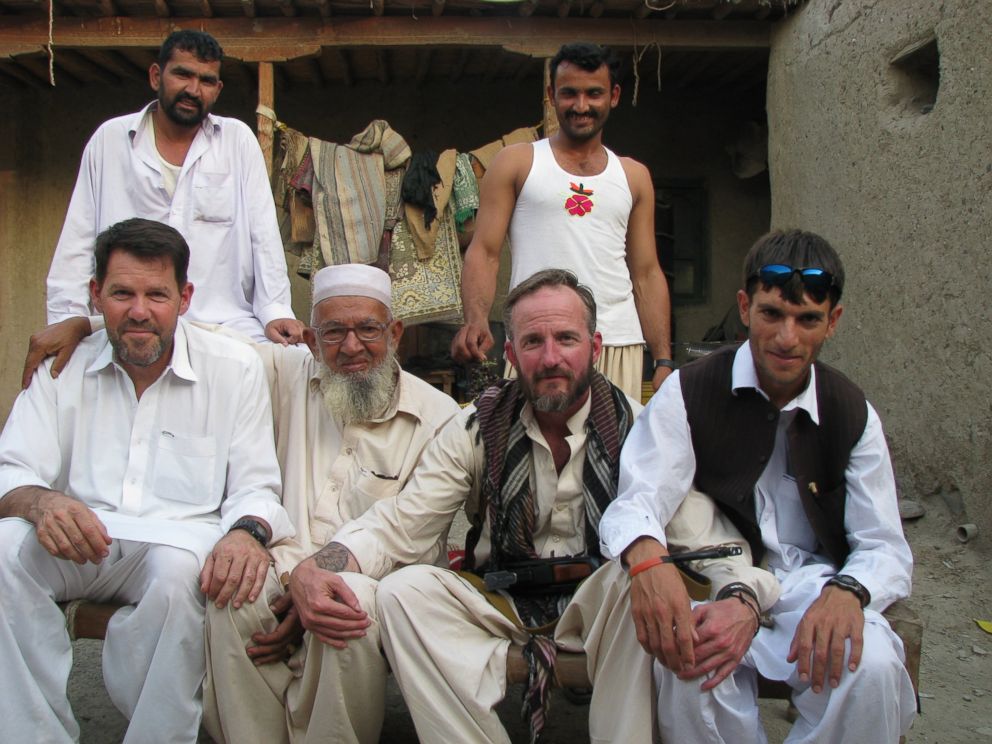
[[85, 619]]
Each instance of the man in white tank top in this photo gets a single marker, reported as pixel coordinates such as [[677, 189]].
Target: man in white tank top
[[568, 202]]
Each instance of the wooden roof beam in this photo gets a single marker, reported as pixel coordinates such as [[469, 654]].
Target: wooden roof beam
[[82, 64], [437, 8], [722, 10], [345, 60], [596, 9], [423, 65], [248, 6], [564, 8], [206, 9], [316, 74], [25, 77], [287, 8], [117, 63], [162, 9], [279, 39], [109, 8], [378, 7], [527, 8], [324, 7], [461, 64], [382, 66]]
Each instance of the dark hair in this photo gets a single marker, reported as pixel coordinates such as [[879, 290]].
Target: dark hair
[[549, 278], [800, 250], [200, 43], [589, 57], [143, 239]]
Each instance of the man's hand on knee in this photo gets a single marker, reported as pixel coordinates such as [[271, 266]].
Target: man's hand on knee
[[65, 526], [235, 570], [327, 606], [660, 608], [725, 630], [284, 639], [819, 643]]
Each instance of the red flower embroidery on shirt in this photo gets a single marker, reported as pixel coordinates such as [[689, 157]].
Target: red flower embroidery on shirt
[[579, 204]]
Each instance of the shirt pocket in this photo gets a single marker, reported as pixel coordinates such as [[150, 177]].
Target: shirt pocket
[[184, 469], [213, 197], [368, 485]]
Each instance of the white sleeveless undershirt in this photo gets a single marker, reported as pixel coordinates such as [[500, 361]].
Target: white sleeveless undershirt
[[170, 172], [578, 223]]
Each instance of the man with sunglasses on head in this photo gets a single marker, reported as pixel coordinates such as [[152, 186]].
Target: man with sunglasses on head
[[795, 457], [350, 427]]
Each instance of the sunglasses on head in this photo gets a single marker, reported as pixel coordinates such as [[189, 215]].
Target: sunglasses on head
[[814, 279]]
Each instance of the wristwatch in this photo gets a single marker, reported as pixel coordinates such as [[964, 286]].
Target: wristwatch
[[664, 363], [254, 528], [851, 584]]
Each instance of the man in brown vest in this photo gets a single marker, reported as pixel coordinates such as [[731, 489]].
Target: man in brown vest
[[795, 457]]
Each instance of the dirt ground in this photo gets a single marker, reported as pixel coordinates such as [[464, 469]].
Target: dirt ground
[[951, 590]]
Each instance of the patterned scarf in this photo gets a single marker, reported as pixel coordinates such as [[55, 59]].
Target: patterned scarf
[[511, 506]]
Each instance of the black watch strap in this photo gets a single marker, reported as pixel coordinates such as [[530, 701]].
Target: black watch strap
[[664, 363], [254, 528], [851, 584]]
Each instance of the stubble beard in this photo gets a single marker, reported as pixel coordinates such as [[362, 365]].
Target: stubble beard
[[138, 355], [361, 396]]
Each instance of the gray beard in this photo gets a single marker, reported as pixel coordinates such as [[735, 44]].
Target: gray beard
[[360, 397]]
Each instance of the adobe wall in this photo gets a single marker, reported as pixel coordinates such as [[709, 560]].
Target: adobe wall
[[905, 195], [44, 133]]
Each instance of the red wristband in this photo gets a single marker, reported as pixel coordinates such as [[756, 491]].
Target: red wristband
[[645, 565]]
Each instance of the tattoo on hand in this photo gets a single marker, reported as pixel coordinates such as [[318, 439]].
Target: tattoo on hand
[[332, 557]]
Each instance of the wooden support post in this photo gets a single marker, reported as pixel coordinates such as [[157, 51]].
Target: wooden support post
[[550, 119], [266, 97]]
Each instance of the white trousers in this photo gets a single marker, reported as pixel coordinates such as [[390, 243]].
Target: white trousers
[[447, 647], [152, 655], [876, 703], [321, 694]]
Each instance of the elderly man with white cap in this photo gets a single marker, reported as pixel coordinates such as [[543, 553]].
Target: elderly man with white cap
[[350, 426]]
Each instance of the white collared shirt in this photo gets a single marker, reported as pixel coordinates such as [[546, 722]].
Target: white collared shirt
[[196, 448], [658, 465], [222, 205]]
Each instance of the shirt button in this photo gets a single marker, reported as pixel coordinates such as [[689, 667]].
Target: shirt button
[[560, 507], [771, 417], [741, 498], [555, 538], [763, 458], [348, 451]]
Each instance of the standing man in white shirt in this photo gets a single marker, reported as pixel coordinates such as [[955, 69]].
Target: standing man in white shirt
[[795, 456], [145, 474], [568, 202], [204, 175]]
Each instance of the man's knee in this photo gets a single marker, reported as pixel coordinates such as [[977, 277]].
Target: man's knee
[[250, 618], [172, 574], [417, 584]]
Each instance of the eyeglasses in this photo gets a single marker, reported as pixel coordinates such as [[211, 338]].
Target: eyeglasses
[[334, 334], [814, 279]]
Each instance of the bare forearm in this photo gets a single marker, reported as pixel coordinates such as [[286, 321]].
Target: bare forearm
[[653, 305], [478, 283], [337, 558], [25, 502]]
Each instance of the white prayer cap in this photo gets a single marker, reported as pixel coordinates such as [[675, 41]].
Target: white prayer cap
[[352, 280]]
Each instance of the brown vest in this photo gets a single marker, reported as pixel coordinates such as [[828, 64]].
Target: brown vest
[[733, 437]]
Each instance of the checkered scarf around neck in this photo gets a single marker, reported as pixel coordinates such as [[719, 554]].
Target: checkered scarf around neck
[[511, 506]]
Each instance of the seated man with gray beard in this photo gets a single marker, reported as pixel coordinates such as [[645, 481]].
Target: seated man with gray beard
[[350, 426]]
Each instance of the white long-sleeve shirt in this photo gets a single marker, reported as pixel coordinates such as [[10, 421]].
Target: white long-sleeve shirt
[[658, 465], [182, 463], [222, 205]]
